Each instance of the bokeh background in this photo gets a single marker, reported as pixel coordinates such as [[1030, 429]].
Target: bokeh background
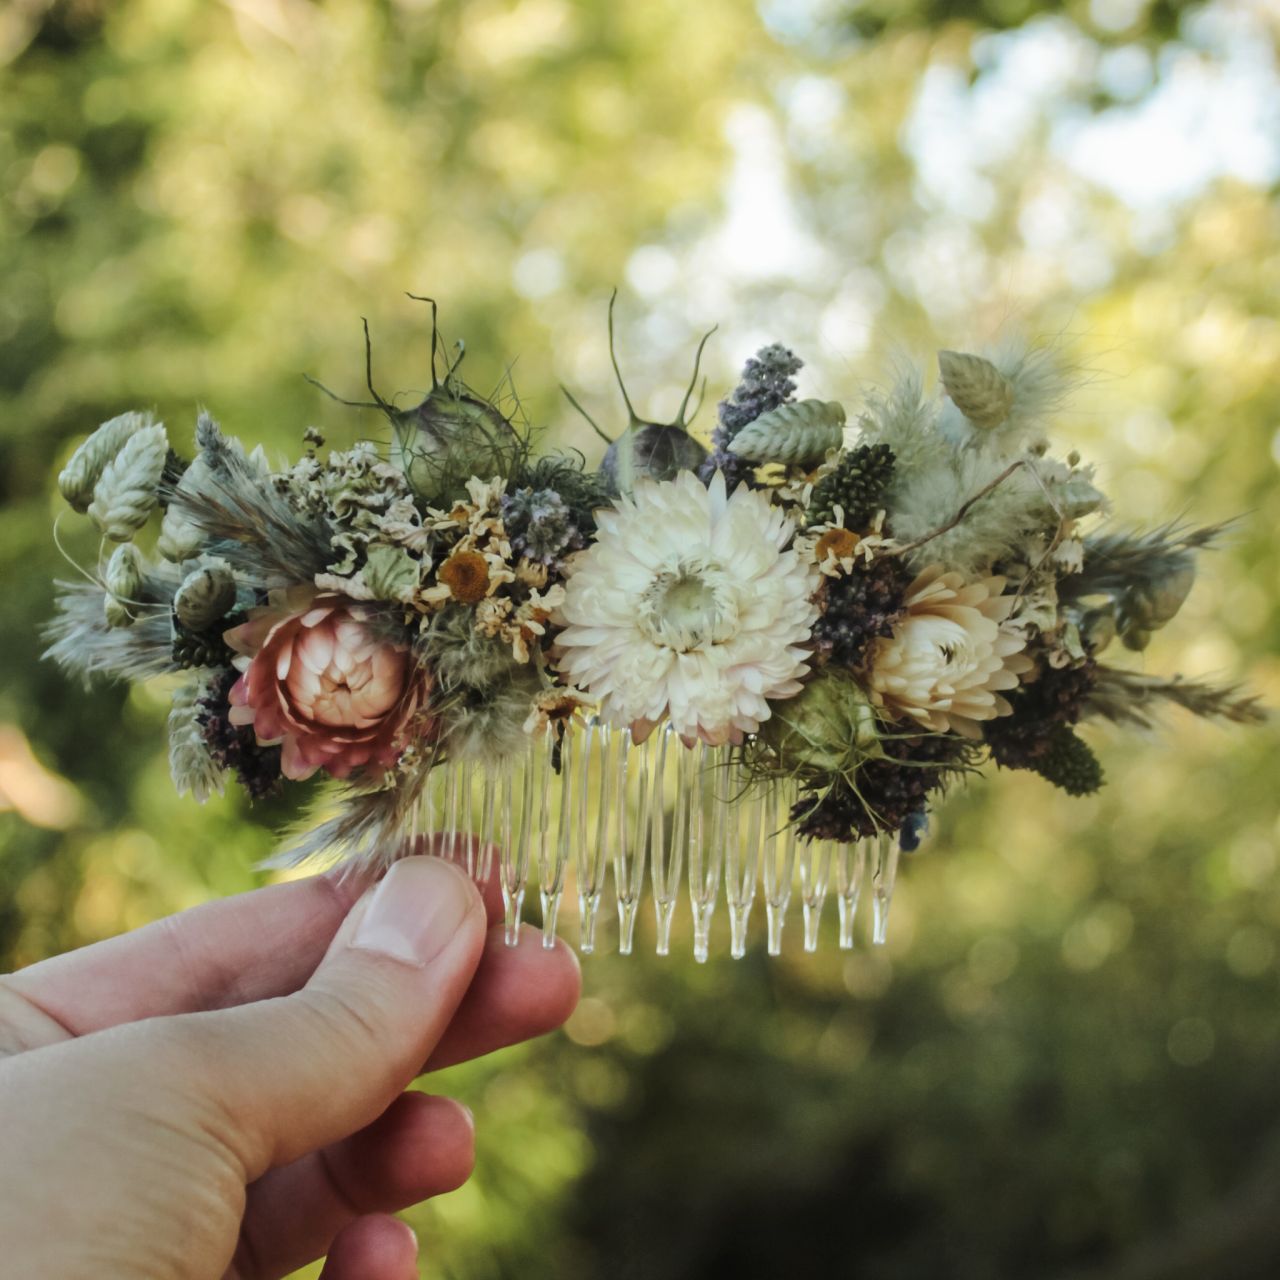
[[1066, 1061]]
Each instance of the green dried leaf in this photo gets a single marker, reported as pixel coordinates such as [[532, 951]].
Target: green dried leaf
[[391, 573], [125, 493], [798, 433]]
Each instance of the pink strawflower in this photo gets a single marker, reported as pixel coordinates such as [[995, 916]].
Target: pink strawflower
[[318, 680]]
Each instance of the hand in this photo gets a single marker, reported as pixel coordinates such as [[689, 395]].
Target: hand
[[222, 1093]]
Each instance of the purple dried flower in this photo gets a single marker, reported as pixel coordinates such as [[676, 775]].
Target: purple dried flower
[[767, 381], [540, 525]]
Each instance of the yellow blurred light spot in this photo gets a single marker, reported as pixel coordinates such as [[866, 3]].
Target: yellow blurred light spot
[[36, 794], [55, 170], [992, 959], [1251, 951], [1252, 858], [847, 1040], [592, 1022], [646, 1028], [600, 1082], [496, 36], [1191, 1042], [963, 997], [867, 974], [1095, 937]]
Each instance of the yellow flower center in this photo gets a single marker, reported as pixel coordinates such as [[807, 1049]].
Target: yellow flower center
[[688, 607], [466, 574], [843, 542]]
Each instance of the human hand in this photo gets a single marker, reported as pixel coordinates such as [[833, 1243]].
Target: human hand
[[222, 1093]]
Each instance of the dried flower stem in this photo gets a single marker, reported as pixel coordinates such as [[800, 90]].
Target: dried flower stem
[[1127, 697], [964, 510]]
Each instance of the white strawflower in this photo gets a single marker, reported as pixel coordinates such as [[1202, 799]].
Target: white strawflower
[[950, 655], [686, 605]]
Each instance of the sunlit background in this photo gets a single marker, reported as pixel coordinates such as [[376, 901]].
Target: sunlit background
[[1066, 1061]]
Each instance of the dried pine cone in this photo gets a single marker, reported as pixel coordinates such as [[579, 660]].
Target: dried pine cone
[[1040, 708], [857, 608], [857, 486], [1069, 763]]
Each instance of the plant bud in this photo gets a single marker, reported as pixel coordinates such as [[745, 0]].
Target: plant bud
[[977, 388], [78, 477], [830, 727], [205, 595]]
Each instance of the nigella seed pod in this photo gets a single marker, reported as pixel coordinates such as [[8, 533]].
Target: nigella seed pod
[[654, 449], [977, 388], [830, 726], [205, 595], [1098, 628], [452, 433], [1164, 597]]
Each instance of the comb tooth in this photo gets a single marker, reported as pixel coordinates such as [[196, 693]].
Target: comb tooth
[[591, 856], [851, 865], [633, 831], [779, 866], [429, 824], [667, 855], [882, 881], [742, 859], [488, 824], [815, 873], [553, 855], [514, 841], [451, 845], [706, 844]]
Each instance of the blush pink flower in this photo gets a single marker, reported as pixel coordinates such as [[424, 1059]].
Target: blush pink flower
[[318, 680]]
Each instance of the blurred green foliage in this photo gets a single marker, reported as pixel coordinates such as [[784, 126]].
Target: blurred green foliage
[[1065, 1061]]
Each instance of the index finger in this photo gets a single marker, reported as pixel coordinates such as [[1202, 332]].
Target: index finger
[[253, 946]]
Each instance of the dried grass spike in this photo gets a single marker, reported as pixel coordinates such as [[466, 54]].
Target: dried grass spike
[[191, 762], [798, 433], [977, 388], [126, 491], [77, 479], [123, 581]]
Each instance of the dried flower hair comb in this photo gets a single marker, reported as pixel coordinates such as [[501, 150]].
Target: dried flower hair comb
[[749, 668]]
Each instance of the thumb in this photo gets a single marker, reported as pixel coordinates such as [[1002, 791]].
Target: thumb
[[293, 1074]]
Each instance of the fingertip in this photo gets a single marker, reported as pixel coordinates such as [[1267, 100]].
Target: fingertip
[[429, 1146], [560, 976], [519, 992], [376, 1247]]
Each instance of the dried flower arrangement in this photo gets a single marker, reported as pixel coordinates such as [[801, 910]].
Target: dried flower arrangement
[[824, 622]]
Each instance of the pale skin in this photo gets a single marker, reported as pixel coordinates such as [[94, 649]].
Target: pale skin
[[223, 1093]]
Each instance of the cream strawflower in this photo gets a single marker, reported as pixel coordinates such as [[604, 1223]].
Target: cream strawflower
[[687, 606], [950, 655]]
